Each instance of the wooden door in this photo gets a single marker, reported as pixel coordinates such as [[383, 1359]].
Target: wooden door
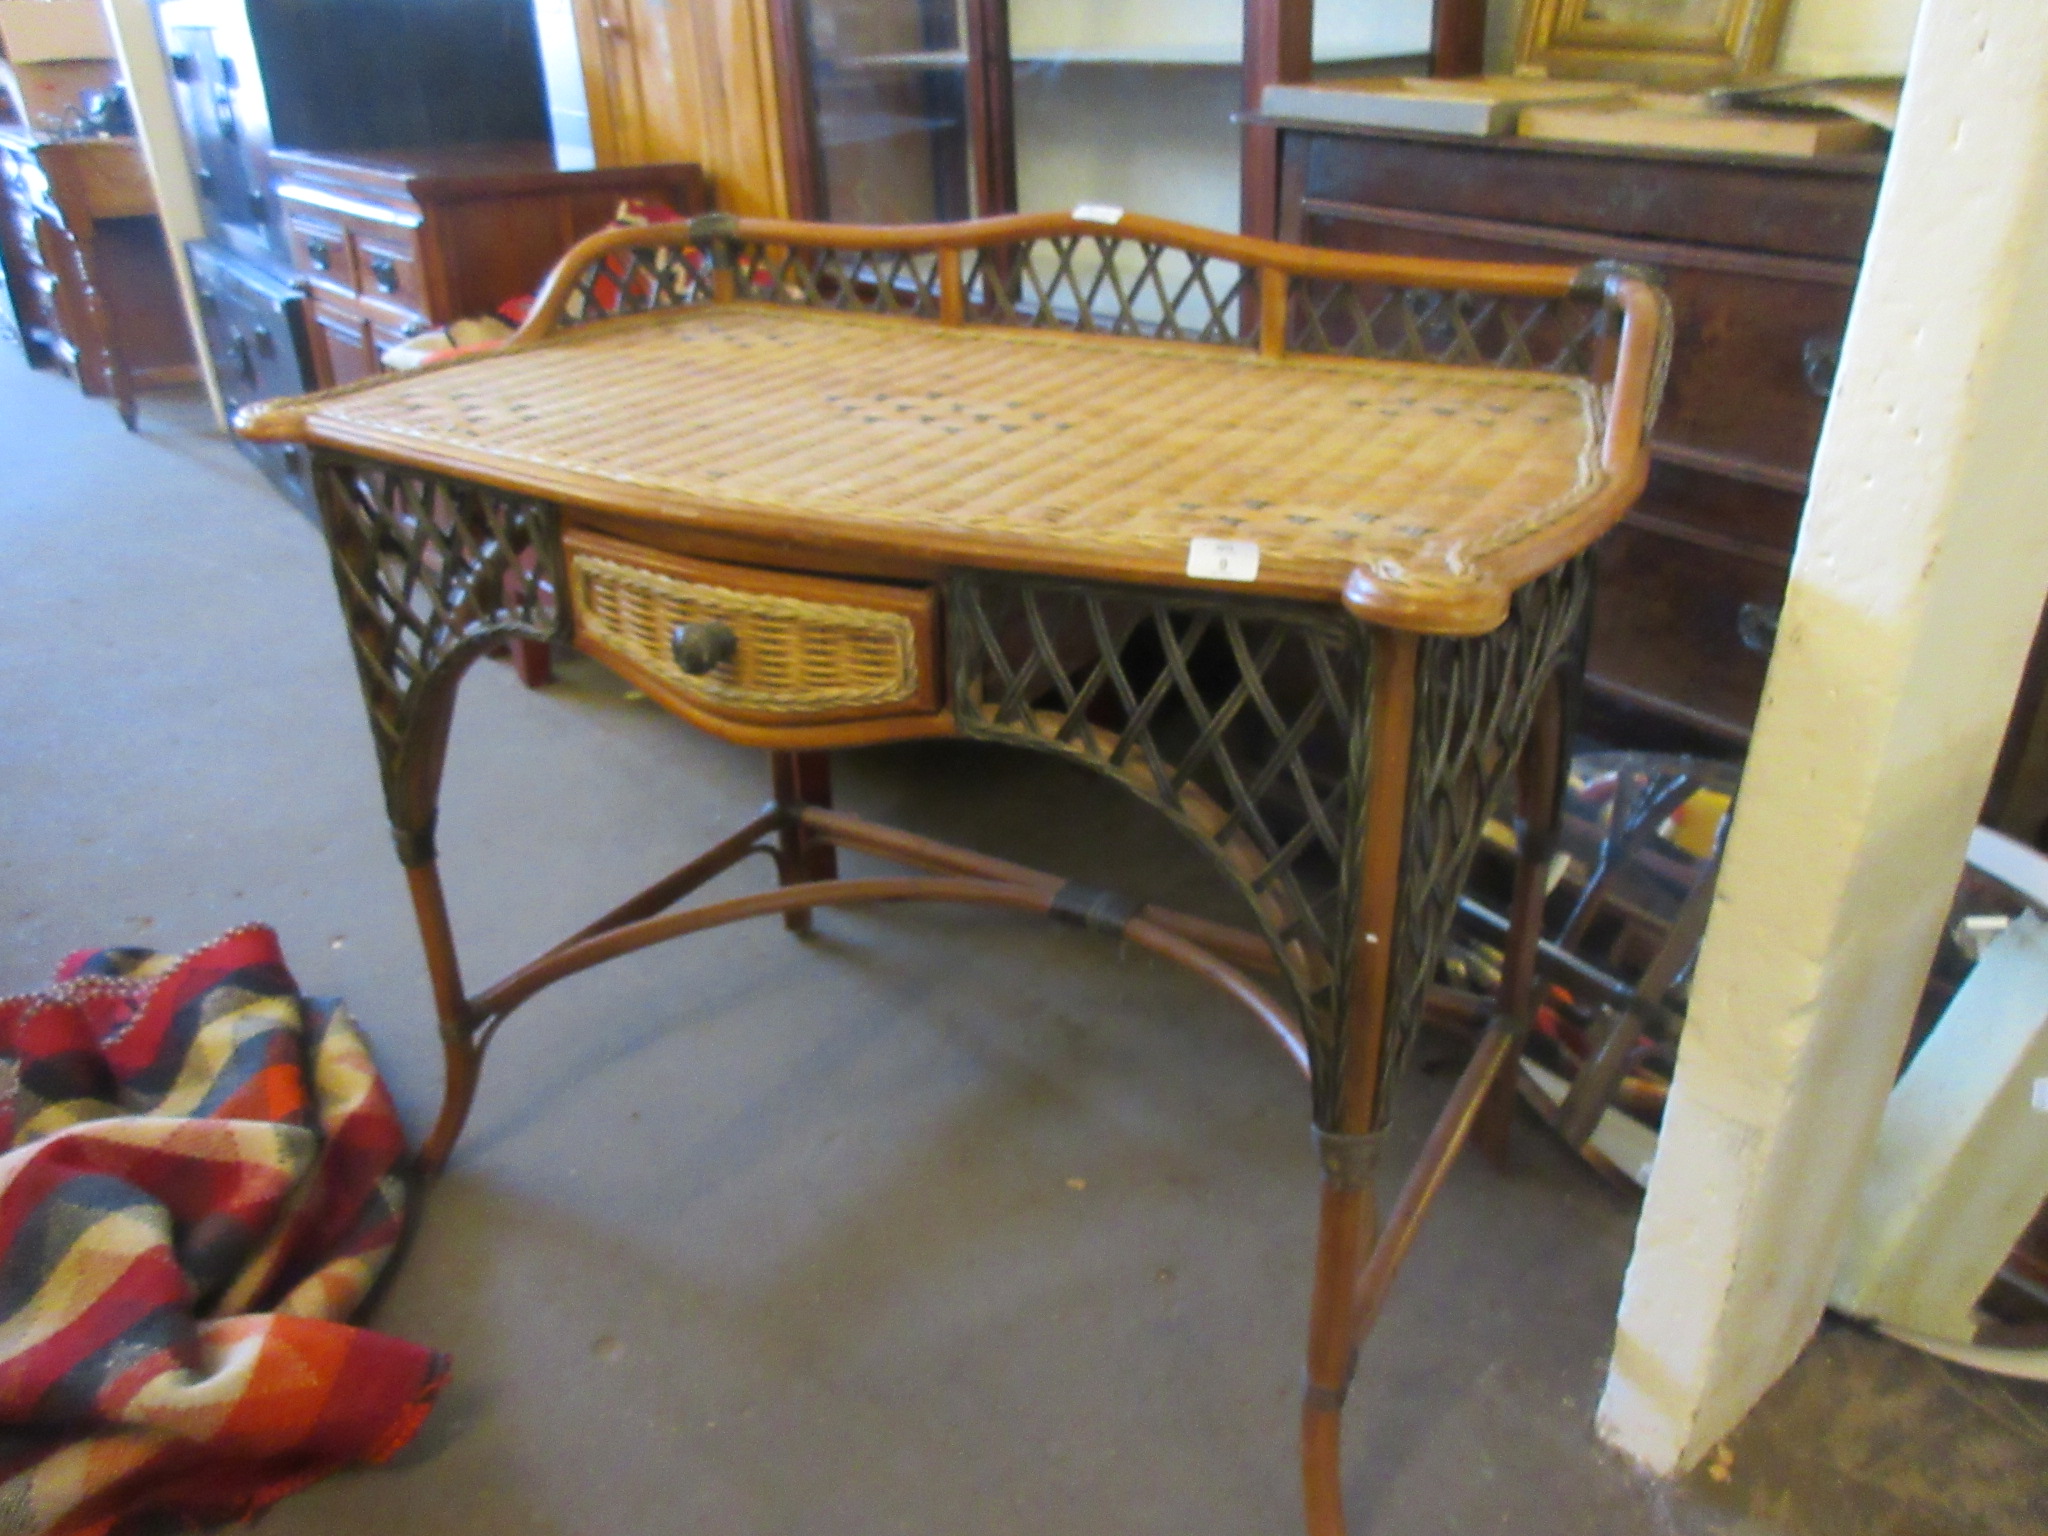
[[896, 111], [687, 80]]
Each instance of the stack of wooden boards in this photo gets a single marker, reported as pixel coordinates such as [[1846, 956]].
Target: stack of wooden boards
[[1787, 117]]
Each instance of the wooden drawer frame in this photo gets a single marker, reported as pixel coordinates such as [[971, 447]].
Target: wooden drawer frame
[[394, 248], [302, 230]]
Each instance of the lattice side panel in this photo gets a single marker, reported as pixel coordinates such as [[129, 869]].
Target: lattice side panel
[[875, 282], [1245, 723], [1110, 284], [430, 571], [1475, 701], [1440, 325], [639, 279]]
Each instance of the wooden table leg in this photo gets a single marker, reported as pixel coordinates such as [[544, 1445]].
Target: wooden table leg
[[534, 661], [1346, 1235], [462, 1058], [1539, 812], [71, 251], [802, 779], [1440, 723]]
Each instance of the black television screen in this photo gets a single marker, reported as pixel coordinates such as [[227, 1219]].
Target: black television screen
[[394, 74]]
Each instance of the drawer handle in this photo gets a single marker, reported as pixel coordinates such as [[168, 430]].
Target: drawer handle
[[1820, 357], [320, 253], [702, 648], [1756, 625], [385, 271]]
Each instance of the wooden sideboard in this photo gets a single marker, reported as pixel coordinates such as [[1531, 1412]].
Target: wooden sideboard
[[87, 268], [1760, 257], [394, 242]]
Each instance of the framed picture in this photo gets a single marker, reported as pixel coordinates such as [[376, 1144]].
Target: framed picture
[[1658, 42]]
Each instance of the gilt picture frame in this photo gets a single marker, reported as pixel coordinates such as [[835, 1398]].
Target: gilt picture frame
[[1674, 43]]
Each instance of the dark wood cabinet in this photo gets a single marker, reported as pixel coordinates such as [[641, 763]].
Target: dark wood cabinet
[[1760, 258], [255, 329], [393, 243]]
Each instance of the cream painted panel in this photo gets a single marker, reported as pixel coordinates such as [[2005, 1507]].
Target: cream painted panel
[[1915, 590], [1848, 37], [1154, 140], [1205, 30]]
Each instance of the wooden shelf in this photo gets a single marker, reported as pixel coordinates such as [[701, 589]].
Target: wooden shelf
[[935, 58], [837, 128], [1193, 57]]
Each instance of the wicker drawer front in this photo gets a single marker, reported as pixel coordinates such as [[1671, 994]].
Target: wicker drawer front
[[806, 648]]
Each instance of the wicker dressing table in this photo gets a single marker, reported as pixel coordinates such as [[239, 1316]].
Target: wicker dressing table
[[815, 486]]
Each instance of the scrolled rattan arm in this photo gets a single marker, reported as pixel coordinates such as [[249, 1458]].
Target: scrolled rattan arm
[[1642, 359]]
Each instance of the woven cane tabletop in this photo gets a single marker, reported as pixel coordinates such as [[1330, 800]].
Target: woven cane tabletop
[[1091, 455]]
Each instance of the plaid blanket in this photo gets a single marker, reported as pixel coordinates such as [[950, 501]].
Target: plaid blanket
[[201, 1181]]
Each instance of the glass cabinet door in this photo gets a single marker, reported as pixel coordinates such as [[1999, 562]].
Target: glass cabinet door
[[913, 110], [1132, 102], [888, 98], [1129, 103]]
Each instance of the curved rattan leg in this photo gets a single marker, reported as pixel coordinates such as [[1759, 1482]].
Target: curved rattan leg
[[462, 1057], [1344, 1236], [1539, 803], [431, 574]]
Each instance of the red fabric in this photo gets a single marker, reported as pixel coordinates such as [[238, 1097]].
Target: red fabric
[[203, 1180]]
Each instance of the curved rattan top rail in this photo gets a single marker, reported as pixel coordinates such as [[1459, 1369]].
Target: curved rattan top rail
[[1064, 395]]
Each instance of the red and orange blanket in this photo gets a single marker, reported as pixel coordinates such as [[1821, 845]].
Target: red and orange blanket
[[202, 1178]]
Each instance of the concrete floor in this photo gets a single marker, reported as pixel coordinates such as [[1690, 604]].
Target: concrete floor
[[946, 1221]]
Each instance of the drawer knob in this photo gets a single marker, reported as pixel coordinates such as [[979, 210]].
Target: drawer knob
[[385, 271], [320, 253], [1756, 625], [702, 648], [1818, 359]]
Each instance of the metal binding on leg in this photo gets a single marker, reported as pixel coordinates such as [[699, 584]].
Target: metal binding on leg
[[1092, 908], [1348, 1162]]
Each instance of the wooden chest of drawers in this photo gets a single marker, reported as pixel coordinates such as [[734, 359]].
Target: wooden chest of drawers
[[394, 243], [1760, 258]]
